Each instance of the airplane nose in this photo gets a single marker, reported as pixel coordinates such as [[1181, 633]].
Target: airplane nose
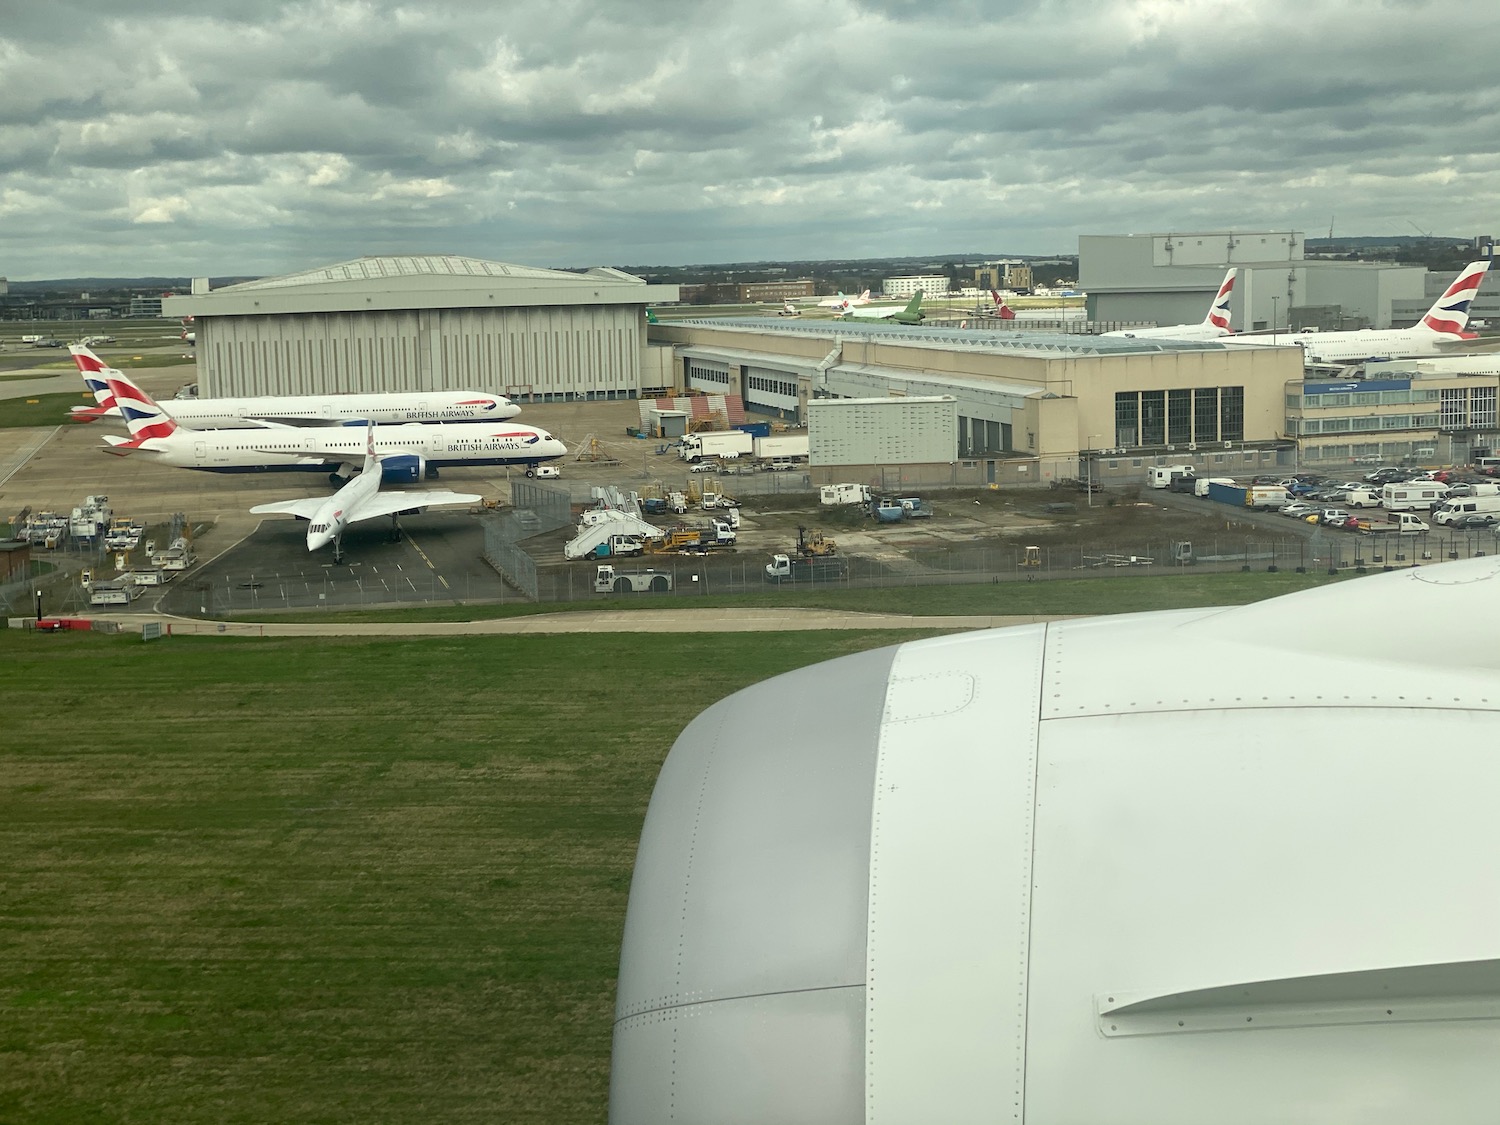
[[316, 539]]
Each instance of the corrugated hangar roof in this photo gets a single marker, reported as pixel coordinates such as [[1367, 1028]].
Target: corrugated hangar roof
[[1047, 345], [403, 282], [386, 268]]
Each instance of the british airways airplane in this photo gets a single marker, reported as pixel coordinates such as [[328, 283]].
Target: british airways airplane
[[1442, 329], [417, 449], [298, 410], [1214, 325]]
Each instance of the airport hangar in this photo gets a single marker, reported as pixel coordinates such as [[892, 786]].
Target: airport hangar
[[1032, 406], [1172, 278], [415, 323]]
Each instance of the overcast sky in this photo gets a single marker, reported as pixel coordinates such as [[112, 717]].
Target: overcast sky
[[258, 137]]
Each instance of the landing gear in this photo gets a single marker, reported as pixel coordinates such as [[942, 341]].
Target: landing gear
[[338, 549], [395, 529], [432, 473]]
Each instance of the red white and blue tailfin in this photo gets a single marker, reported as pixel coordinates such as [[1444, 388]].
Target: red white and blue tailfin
[[1449, 314], [95, 374], [1218, 312], [372, 459], [145, 418]]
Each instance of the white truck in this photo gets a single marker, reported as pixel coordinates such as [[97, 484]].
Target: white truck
[[1160, 476], [1458, 506], [781, 447], [609, 580], [1413, 494], [1403, 523], [726, 445]]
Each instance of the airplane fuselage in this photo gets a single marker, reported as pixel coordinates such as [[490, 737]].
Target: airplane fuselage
[[394, 408], [327, 449], [1358, 345]]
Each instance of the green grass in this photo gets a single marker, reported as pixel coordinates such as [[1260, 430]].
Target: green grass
[[331, 881], [1131, 594], [42, 410]]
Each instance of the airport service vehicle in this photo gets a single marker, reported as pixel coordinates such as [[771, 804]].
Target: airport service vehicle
[[1410, 495], [609, 580], [295, 410], [724, 444], [815, 568], [409, 451], [1454, 509], [913, 508], [1200, 485], [1213, 325], [1396, 523], [544, 472], [1160, 476], [1362, 498], [832, 495], [619, 546], [361, 499], [1183, 482], [786, 447], [118, 592], [1441, 329], [717, 534], [1262, 497]]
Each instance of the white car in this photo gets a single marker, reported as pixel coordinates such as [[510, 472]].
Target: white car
[[1297, 509], [705, 467]]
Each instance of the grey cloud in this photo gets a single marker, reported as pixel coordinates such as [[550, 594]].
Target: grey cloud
[[262, 136]]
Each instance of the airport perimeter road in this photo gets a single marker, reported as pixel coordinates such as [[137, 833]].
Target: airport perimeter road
[[603, 621]]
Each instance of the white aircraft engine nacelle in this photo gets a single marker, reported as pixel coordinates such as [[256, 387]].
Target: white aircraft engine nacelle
[[402, 468], [1229, 865]]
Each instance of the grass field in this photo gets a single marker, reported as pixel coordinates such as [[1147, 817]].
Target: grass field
[[331, 881], [1135, 593], [41, 410]]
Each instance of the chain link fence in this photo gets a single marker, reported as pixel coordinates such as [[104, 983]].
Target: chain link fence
[[535, 509]]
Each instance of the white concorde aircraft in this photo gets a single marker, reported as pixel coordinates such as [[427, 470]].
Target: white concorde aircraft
[[1214, 325], [1441, 330], [416, 449], [1054, 874], [303, 410], [360, 499]]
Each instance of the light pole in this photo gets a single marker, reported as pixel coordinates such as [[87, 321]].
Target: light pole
[[1088, 483], [1273, 318]]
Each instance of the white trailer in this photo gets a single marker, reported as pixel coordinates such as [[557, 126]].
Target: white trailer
[[726, 445], [609, 580], [1413, 494], [1160, 476], [833, 495], [789, 447]]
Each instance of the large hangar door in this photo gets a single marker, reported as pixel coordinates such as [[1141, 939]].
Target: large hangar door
[[769, 391], [429, 340]]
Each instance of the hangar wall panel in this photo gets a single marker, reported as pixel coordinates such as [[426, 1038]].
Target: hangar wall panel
[[896, 431], [541, 353]]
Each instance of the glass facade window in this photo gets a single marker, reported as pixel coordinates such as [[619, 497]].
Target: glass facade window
[[1153, 417], [1453, 410], [1206, 413], [1179, 417], [1232, 413], [1127, 418], [1482, 406]]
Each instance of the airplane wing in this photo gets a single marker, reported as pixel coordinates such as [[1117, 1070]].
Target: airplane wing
[[302, 509], [392, 503]]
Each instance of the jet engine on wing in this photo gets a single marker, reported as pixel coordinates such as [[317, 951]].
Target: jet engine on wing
[[401, 468]]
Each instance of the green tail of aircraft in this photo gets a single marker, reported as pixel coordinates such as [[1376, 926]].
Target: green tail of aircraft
[[912, 314]]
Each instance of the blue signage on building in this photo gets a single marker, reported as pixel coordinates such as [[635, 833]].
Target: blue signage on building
[[1351, 385]]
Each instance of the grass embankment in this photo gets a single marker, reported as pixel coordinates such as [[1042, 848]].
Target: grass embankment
[[1136, 593], [41, 410], [332, 881]]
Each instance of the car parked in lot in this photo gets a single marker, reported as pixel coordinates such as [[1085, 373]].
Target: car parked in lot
[[705, 467], [1296, 509], [1475, 521]]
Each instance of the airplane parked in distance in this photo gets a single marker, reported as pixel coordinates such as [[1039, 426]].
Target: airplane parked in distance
[[1001, 310], [1214, 325], [417, 449], [788, 309], [1442, 329], [911, 314], [296, 410], [360, 499], [843, 303]]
